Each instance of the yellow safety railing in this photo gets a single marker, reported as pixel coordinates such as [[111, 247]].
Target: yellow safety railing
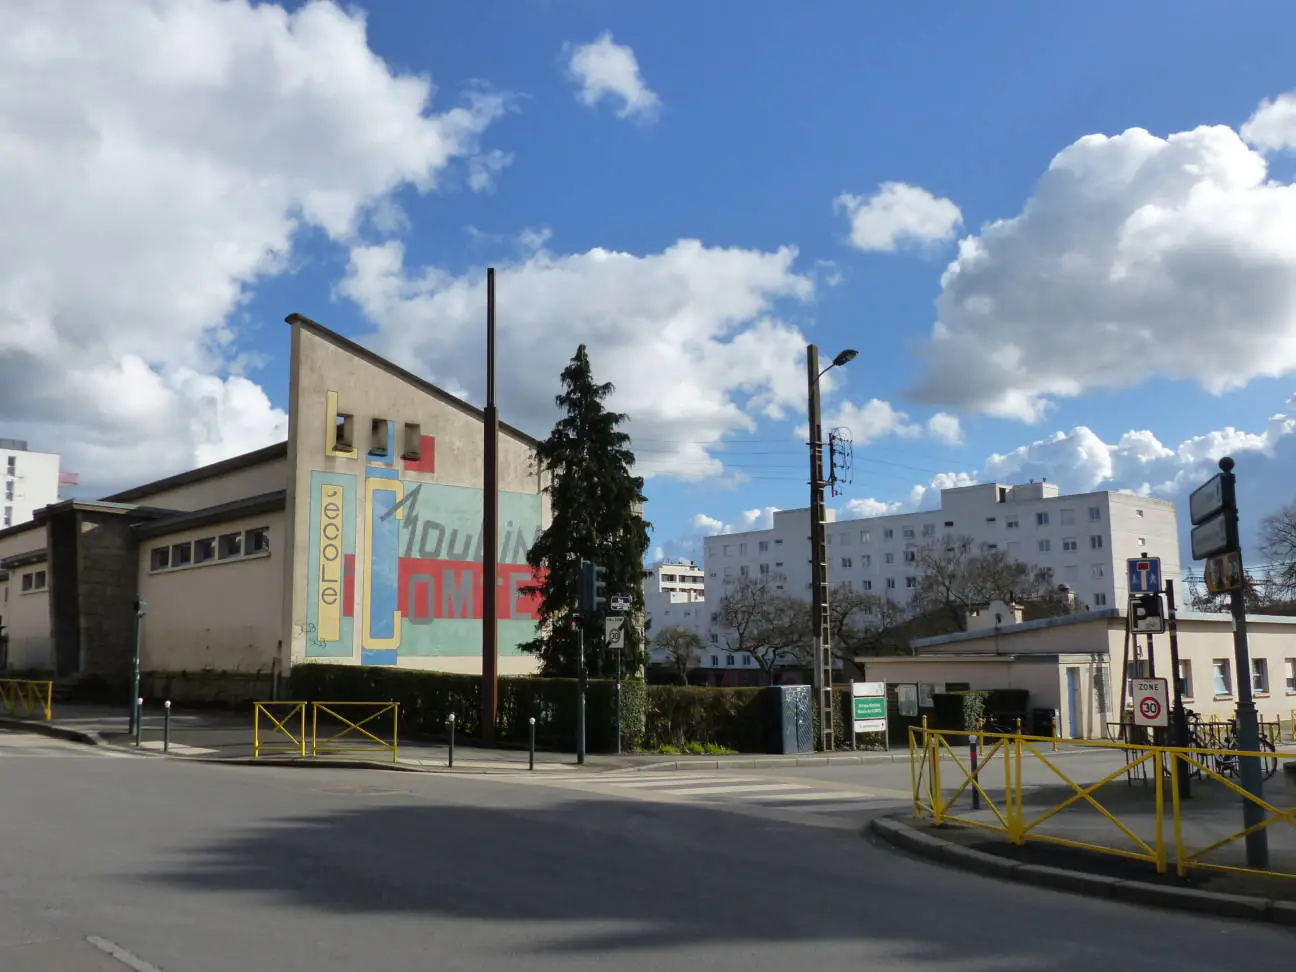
[[366, 732], [1168, 834], [26, 698], [282, 721]]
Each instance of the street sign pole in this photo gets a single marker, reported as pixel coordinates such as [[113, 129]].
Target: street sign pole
[[1214, 513], [1179, 717]]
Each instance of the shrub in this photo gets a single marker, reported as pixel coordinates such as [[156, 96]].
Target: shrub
[[677, 715]]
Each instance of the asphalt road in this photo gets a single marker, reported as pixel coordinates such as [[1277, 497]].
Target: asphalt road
[[196, 868]]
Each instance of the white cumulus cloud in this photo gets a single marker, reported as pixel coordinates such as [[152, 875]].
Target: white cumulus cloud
[[605, 69], [160, 157], [690, 337], [898, 214], [1136, 257], [1079, 461], [1273, 126], [945, 428]]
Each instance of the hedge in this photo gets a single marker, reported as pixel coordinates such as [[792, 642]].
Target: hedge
[[428, 698], [652, 716]]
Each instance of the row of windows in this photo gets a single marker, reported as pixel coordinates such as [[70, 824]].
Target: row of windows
[[1222, 671], [1066, 518], [226, 546], [34, 580]]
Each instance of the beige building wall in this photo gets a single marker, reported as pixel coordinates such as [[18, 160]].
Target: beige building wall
[[222, 614], [221, 482], [386, 547], [1206, 640], [26, 614]]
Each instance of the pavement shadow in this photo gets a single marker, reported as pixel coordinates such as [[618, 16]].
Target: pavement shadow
[[604, 876]]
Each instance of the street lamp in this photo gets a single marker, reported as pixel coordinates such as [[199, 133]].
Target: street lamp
[[823, 667]]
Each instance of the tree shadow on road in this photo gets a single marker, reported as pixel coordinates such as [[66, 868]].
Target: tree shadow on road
[[600, 876]]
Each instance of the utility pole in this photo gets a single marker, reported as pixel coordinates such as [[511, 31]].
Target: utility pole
[[1179, 717], [490, 531], [822, 636]]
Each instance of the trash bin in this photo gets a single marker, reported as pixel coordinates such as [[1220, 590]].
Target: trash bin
[[789, 726]]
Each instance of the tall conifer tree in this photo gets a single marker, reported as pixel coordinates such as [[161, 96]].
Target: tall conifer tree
[[595, 504]]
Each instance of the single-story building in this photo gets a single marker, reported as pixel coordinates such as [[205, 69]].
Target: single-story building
[[1075, 664], [356, 541]]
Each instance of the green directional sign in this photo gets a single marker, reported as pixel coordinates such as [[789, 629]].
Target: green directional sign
[[870, 707]]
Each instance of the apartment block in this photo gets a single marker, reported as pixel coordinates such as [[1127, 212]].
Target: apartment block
[[28, 481], [1084, 537]]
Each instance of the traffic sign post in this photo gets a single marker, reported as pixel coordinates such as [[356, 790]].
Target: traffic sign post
[[614, 632], [619, 603], [1214, 513], [1151, 702], [1146, 614], [1144, 575], [869, 709]]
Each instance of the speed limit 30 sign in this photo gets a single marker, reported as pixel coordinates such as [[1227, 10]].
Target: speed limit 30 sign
[[1151, 701]]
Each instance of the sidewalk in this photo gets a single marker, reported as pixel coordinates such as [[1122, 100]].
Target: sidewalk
[[1211, 814], [223, 736]]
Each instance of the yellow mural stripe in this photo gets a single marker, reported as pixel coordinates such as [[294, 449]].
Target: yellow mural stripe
[[329, 610]]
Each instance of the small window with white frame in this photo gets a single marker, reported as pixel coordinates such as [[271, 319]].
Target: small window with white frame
[[1069, 543], [1041, 519], [1185, 678], [1223, 676], [1290, 664], [256, 541], [1095, 541], [1260, 676]]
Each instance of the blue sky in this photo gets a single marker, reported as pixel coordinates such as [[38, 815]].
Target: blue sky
[[333, 192]]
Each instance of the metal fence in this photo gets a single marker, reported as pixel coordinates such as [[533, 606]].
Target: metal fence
[[26, 698], [324, 728]]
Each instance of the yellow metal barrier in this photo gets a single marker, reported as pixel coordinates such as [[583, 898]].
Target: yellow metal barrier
[[1164, 832], [282, 719], [26, 698], [355, 736]]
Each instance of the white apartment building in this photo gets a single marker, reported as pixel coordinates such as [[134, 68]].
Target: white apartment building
[[674, 597], [1084, 537], [29, 480]]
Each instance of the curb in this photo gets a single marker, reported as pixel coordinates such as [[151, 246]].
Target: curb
[[892, 831], [86, 738], [731, 762]]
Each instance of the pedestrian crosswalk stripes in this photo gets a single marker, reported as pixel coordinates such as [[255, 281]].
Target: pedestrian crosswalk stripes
[[758, 793]]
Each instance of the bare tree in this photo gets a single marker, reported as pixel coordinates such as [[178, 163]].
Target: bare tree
[[1278, 544], [954, 576], [863, 623], [758, 619], [682, 648]]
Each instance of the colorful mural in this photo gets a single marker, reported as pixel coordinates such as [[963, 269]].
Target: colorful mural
[[396, 565]]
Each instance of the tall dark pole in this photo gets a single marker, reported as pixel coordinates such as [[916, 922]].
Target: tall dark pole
[[490, 531], [1248, 725], [822, 666], [1179, 717]]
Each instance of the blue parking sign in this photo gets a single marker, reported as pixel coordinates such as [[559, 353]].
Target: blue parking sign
[[1144, 575]]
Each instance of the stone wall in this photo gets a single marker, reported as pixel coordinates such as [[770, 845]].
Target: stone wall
[[106, 583]]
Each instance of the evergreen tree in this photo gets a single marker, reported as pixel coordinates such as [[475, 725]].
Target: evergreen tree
[[595, 503]]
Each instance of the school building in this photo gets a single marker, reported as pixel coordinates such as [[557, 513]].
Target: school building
[[356, 541]]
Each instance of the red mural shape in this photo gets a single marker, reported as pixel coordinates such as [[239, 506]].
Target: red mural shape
[[426, 462], [434, 589]]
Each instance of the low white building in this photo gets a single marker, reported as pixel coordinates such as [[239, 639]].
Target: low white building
[[1075, 665], [1084, 537], [30, 481]]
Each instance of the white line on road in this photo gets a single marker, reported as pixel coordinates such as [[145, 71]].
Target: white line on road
[[671, 784], [121, 955], [752, 788]]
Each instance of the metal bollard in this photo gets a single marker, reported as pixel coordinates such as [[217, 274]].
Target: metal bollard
[[450, 763], [139, 720], [532, 745], [972, 764], [166, 726]]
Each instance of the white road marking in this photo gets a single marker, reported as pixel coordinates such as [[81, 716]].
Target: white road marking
[[178, 748], [126, 958], [741, 788]]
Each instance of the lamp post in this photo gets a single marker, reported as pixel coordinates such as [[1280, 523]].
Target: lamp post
[[823, 666]]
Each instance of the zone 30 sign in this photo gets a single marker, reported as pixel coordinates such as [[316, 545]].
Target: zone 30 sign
[[1151, 701]]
